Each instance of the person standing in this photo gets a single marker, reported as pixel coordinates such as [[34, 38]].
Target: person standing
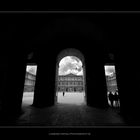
[[116, 98], [63, 93], [111, 98]]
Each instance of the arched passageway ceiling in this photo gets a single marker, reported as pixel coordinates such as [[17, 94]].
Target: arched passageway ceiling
[[70, 32], [65, 31], [67, 26]]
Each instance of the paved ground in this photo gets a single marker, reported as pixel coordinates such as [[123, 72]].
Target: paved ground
[[27, 98], [70, 115], [71, 97]]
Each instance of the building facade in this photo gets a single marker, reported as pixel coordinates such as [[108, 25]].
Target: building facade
[[29, 82], [111, 82], [70, 83]]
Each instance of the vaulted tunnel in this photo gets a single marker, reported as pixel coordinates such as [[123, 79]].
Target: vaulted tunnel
[[99, 45]]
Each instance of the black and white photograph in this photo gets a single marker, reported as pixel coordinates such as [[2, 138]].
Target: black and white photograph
[[70, 72]]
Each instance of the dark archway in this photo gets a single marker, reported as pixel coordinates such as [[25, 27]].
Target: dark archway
[[83, 38]]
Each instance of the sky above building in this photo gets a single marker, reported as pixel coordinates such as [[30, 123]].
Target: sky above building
[[109, 70], [31, 69], [70, 64]]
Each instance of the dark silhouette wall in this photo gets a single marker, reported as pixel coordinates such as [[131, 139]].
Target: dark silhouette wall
[[96, 36], [74, 38]]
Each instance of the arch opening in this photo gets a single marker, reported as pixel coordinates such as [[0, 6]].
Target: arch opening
[[70, 79], [112, 88], [29, 85]]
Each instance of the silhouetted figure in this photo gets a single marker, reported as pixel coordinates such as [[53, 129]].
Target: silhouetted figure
[[63, 93], [116, 99], [111, 98]]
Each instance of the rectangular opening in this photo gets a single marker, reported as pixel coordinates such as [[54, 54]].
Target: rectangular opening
[[29, 85], [112, 88]]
